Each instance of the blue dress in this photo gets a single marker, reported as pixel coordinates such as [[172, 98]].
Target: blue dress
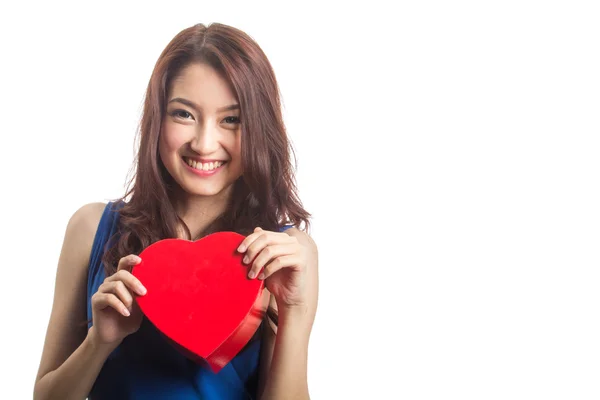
[[147, 366]]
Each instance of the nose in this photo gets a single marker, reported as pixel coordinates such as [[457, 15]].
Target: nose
[[206, 140]]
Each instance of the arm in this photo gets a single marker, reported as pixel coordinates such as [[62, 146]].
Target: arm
[[283, 366], [71, 359], [283, 372]]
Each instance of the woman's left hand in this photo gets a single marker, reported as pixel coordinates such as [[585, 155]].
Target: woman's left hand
[[281, 261]]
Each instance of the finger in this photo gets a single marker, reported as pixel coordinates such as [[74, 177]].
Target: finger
[[129, 280], [268, 254], [278, 264], [119, 289], [128, 262], [266, 239], [250, 239], [104, 300]]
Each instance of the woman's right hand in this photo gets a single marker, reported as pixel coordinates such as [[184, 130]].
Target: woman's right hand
[[115, 312]]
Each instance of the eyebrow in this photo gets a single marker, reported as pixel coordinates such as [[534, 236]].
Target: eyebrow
[[192, 105]]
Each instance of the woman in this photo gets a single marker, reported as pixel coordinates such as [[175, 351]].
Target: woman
[[213, 156]]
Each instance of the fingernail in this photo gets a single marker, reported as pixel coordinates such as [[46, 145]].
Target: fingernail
[[137, 259], [126, 312], [141, 290], [246, 259], [261, 276], [242, 248], [252, 274]]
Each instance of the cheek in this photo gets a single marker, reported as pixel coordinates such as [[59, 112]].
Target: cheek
[[232, 144], [238, 147], [235, 152], [171, 140], [167, 150]]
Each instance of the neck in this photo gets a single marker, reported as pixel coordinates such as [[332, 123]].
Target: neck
[[198, 212]]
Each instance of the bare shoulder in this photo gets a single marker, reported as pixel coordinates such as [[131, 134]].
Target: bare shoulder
[[302, 237], [87, 217], [82, 228]]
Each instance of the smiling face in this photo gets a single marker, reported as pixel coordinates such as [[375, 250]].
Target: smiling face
[[200, 140]]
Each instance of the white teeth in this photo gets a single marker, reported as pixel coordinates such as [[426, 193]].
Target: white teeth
[[203, 167]]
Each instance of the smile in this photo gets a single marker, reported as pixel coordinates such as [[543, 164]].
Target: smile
[[207, 166]]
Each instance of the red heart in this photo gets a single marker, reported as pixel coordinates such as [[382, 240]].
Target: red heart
[[199, 295]]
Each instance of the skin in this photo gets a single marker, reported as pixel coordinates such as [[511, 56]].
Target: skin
[[288, 261]]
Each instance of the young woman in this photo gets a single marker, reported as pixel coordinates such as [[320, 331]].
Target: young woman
[[213, 156]]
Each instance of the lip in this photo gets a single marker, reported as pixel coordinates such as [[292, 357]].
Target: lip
[[203, 160], [202, 173]]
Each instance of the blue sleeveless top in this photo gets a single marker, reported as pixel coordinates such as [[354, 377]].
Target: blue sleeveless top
[[146, 366]]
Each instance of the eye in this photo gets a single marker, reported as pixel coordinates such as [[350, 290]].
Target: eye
[[181, 114], [232, 120]]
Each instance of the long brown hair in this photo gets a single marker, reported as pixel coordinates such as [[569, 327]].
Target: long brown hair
[[266, 194]]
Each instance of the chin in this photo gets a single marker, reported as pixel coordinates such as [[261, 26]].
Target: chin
[[205, 190]]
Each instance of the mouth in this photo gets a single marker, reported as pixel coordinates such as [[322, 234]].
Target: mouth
[[206, 166]]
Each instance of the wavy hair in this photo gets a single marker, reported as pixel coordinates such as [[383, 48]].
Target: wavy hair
[[265, 195]]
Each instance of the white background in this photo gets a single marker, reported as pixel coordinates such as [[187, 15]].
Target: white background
[[449, 152]]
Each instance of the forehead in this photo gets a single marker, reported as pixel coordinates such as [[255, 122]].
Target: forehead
[[203, 85]]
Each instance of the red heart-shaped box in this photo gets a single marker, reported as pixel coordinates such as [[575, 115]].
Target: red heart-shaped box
[[200, 297]]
